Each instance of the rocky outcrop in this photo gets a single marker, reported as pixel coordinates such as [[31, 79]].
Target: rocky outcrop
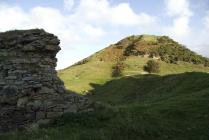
[[30, 90]]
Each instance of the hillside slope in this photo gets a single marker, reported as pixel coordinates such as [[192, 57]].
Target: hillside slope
[[133, 53]]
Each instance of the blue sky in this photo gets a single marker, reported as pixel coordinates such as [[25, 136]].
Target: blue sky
[[86, 26]]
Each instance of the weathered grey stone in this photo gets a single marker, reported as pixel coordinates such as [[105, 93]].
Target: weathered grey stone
[[52, 47], [36, 105], [71, 109], [48, 104], [29, 48], [46, 90], [40, 115], [32, 127], [21, 102], [27, 78], [43, 121], [11, 78], [54, 114], [29, 87], [2, 83], [30, 116], [8, 95]]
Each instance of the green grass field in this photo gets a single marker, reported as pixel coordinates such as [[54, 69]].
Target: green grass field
[[147, 107]]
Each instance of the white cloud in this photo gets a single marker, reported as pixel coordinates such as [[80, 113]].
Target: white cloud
[[100, 12], [86, 24], [12, 17], [200, 37], [180, 27], [178, 8], [118, 15], [68, 4], [89, 23], [93, 32], [202, 49], [180, 12], [206, 20]]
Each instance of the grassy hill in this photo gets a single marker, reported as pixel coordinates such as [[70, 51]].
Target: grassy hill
[[133, 52], [170, 105]]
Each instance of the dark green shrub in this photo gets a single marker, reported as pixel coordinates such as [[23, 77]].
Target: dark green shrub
[[129, 50], [206, 63], [152, 66], [117, 69]]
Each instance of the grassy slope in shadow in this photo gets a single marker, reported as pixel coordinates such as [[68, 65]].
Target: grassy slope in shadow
[[149, 107]]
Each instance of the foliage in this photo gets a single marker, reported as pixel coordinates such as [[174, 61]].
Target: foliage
[[131, 51], [206, 63], [163, 46], [117, 69], [171, 53], [152, 66]]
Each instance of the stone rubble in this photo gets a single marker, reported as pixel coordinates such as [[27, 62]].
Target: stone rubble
[[30, 90]]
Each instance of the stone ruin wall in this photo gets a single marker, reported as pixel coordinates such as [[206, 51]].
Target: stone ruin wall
[[29, 87]]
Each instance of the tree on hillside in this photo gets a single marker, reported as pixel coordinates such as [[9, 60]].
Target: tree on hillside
[[152, 66], [117, 69], [206, 63]]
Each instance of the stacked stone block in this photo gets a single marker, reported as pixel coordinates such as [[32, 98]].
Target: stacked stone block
[[30, 90]]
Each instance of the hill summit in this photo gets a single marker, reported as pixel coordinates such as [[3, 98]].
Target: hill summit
[[159, 47]]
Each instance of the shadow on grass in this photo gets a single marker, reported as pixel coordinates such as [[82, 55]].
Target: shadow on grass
[[149, 87], [147, 107]]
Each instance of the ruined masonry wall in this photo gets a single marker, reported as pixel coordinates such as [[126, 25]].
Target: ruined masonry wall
[[29, 87]]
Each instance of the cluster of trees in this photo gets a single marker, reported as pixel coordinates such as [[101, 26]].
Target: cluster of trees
[[168, 50], [131, 50], [152, 66], [207, 63], [173, 52]]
